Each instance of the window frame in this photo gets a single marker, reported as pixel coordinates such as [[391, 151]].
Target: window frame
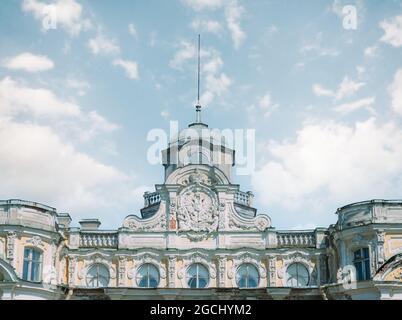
[[298, 263], [247, 264], [188, 277], [29, 261], [96, 264], [138, 279], [364, 273]]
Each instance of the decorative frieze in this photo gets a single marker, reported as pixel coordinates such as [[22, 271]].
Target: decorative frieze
[[11, 237], [172, 271]]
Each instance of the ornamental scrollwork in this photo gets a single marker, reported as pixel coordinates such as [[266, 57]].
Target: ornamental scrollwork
[[155, 223], [35, 241], [260, 222], [144, 258], [196, 258], [246, 258], [95, 259], [297, 257]]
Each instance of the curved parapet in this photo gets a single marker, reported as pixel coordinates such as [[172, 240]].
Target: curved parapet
[[367, 212], [258, 223], [28, 214], [156, 222]]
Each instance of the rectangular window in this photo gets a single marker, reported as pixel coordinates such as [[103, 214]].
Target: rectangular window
[[361, 261], [32, 269]]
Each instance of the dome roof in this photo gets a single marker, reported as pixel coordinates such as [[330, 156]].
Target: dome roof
[[197, 131]]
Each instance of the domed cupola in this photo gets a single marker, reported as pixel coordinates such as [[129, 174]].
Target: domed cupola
[[201, 146]]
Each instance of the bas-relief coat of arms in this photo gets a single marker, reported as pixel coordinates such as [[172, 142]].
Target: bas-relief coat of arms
[[197, 212]]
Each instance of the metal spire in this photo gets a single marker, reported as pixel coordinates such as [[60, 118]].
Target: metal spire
[[198, 106]]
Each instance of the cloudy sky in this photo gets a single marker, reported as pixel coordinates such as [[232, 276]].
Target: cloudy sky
[[78, 98]]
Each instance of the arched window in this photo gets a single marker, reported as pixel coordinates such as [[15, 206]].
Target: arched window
[[32, 268], [297, 275], [247, 276], [197, 276], [148, 276], [97, 276], [361, 261]]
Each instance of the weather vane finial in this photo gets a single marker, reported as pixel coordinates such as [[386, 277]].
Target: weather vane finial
[[198, 106]]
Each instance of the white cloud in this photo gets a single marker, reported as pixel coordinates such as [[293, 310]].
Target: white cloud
[[213, 65], [132, 30], [319, 50], [17, 99], [371, 52], [130, 67], [266, 105], [28, 62], [345, 89], [207, 26], [355, 105], [216, 85], [395, 91], [40, 161], [68, 14], [187, 51], [214, 82], [36, 164], [199, 5], [234, 13], [332, 162], [320, 91], [80, 85], [392, 31], [103, 45]]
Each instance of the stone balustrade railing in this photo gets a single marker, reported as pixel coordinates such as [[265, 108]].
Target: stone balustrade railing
[[151, 198], [99, 240], [244, 198], [297, 239]]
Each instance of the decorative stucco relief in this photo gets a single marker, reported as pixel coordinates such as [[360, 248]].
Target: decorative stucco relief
[[155, 223]]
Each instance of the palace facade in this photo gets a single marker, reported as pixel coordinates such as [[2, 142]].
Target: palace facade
[[199, 237]]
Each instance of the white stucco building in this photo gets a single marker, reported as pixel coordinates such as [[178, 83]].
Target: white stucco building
[[199, 236]]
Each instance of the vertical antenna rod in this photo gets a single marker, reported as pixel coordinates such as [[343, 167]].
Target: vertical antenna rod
[[199, 44], [198, 106]]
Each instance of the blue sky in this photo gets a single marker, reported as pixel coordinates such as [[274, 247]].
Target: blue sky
[[77, 101]]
